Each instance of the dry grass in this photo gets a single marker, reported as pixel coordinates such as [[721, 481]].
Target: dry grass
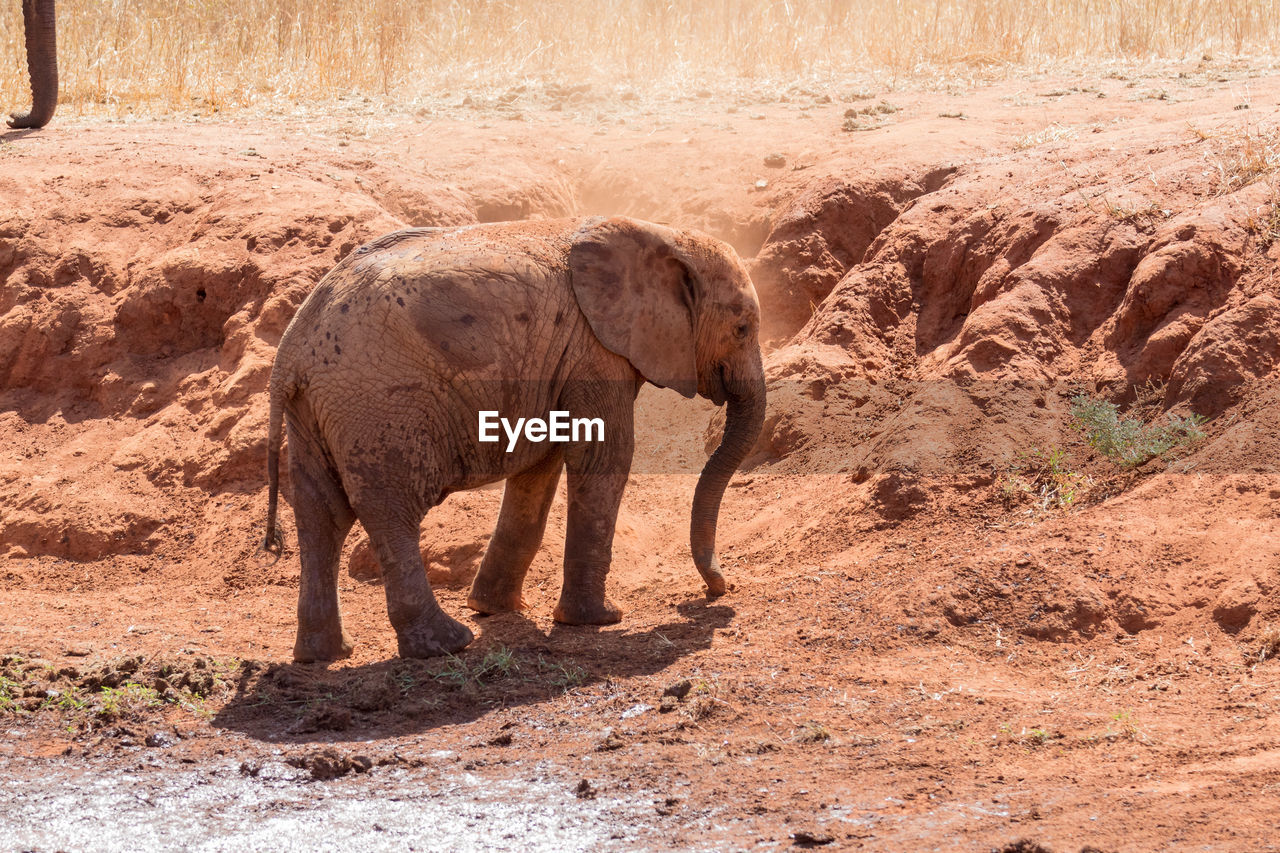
[[1268, 643], [1240, 156], [1140, 213], [1053, 133], [208, 55], [1265, 225]]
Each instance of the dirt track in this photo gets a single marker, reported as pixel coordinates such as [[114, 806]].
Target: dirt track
[[923, 648]]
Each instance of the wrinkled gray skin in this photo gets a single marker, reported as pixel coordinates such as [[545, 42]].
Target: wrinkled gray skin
[[42, 61], [381, 374]]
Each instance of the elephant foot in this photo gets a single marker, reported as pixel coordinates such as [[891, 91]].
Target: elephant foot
[[489, 604], [577, 612], [321, 646], [432, 636]]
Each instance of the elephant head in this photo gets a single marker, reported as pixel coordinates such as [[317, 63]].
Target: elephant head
[[681, 308], [42, 61]]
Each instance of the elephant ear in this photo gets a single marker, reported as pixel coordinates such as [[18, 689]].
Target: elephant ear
[[637, 292]]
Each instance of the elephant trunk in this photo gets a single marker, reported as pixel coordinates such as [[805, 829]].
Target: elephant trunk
[[742, 426], [42, 61]]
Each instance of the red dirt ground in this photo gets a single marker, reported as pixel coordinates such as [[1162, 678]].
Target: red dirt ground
[[922, 649]]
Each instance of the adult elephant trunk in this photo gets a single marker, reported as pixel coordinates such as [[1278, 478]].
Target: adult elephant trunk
[[42, 61], [742, 426]]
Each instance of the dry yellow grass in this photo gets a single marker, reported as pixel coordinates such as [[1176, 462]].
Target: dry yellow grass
[[1246, 156], [158, 55]]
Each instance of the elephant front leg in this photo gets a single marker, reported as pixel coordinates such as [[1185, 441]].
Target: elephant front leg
[[498, 586], [588, 549], [597, 478], [423, 630]]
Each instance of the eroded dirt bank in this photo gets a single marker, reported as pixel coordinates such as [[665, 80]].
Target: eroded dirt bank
[[955, 623]]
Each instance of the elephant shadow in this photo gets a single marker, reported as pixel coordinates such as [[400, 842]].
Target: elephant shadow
[[14, 134], [512, 663]]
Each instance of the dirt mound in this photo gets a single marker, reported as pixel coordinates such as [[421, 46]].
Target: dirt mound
[[1105, 283], [139, 316], [824, 232], [955, 352], [1069, 277]]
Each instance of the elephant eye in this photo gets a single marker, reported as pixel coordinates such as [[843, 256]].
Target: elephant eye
[[743, 329]]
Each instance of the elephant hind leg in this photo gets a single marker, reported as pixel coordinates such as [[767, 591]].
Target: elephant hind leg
[[324, 517], [526, 502], [423, 630]]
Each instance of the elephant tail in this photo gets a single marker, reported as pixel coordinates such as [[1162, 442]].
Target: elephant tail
[[273, 542]]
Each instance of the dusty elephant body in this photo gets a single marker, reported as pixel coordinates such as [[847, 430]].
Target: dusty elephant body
[[382, 374], [42, 61]]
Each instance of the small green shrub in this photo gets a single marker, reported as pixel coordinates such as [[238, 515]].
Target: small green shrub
[[10, 692], [564, 675], [1036, 737], [1129, 441], [127, 700], [1045, 478], [453, 673], [497, 663], [1125, 728]]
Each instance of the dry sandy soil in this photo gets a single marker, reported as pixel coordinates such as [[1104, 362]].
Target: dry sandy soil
[[941, 634]]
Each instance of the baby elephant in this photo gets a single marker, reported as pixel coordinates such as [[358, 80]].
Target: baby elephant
[[397, 375]]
